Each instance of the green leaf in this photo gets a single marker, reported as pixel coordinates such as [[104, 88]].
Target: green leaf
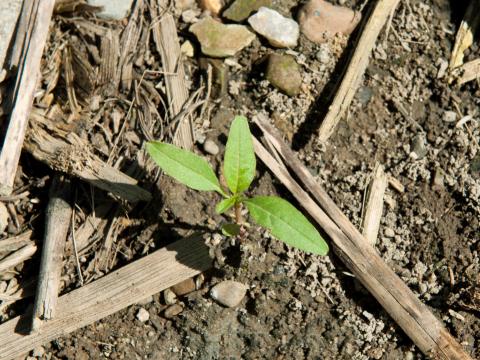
[[184, 166], [286, 223], [239, 162], [230, 229], [225, 204]]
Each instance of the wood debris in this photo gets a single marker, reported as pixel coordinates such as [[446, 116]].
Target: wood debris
[[27, 52], [373, 212], [132, 283], [426, 331]]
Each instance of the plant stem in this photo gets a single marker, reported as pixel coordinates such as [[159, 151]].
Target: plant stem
[[238, 213]]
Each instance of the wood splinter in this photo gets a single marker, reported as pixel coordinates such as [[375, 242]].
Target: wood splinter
[[58, 217], [374, 205]]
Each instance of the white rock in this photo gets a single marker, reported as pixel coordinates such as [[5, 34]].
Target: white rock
[[449, 116], [112, 9], [389, 232], [3, 217], [169, 297], [187, 49], [143, 315], [228, 293], [280, 31], [210, 147]]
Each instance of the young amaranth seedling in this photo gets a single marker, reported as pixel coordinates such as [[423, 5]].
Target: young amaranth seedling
[[283, 220]]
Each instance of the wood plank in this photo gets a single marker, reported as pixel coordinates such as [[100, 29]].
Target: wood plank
[[356, 67], [27, 75], [426, 331], [115, 291], [168, 45]]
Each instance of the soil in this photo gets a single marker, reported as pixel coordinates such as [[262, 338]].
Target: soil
[[300, 306]]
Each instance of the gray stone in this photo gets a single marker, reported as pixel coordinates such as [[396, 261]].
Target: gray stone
[[112, 9], [241, 9], [228, 293], [324, 54], [211, 147], [449, 116], [219, 40], [389, 232], [283, 72], [280, 31], [143, 315]]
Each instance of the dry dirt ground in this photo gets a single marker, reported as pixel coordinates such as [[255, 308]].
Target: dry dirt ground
[[300, 306]]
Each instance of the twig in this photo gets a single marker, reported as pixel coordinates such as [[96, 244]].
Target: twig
[[28, 70], [150, 275], [356, 67], [58, 218], [374, 205], [18, 257], [363, 261]]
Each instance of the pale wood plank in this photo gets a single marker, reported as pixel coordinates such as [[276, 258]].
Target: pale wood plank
[[117, 290]]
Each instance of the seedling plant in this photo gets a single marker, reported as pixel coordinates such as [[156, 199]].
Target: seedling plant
[[283, 220]]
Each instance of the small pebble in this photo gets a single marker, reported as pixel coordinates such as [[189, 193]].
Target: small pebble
[[283, 72], [184, 287], [173, 310], [449, 116], [219, 40], [187, 49], [112, 9], [169, 297], [143, 315], [228, 293], [214, 6], [280, 31], [438, 180], [389, 232], [241, 9], [319, 20], [324, 55], [210, 147], [39, 351], [409, 355], [190, 16], [419, 147]]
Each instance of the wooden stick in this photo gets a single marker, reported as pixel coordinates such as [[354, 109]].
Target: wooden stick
[[467, 72], [115, 291], [16, 242], [350, 246], [9, 13], [464, 37], [356, 67], [18, 257], [58, 217], [167, 43], [374, 205], [68, 153], [28, 71]]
